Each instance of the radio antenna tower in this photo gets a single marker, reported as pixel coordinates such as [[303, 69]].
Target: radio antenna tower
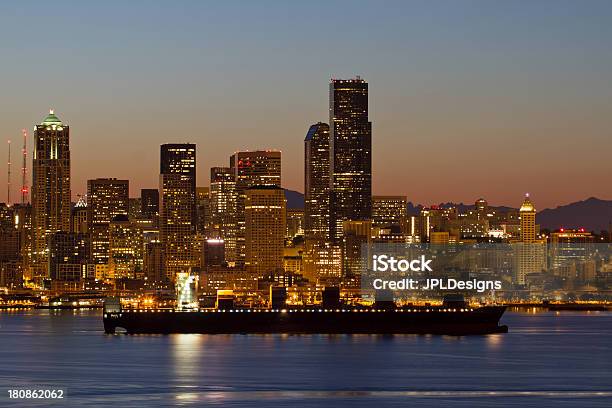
[[24, 186], [8, 180]]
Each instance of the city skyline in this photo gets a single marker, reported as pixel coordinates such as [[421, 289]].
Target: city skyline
[[134, 191], [443, 106], [285, 203]]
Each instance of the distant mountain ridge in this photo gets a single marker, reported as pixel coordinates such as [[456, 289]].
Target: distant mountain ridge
[[295, 199], [592, 214]]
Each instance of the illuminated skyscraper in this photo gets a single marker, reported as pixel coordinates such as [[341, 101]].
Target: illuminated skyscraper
[[251, 169], [530, 256], [106, 199], [50, 188], [528, 221], [177, 183], [350, 153], [265, 208], [316, 183], [223, 209]]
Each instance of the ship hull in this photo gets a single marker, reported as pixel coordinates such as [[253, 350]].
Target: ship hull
[[484, 320]]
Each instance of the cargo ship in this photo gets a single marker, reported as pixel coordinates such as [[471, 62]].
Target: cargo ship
[[453, 317]]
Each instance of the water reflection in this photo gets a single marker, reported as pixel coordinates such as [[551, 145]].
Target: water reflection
[[542, 355], [187, 350]]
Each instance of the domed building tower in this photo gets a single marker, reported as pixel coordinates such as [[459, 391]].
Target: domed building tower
[[50, 189], [530, 255], [528, 220]]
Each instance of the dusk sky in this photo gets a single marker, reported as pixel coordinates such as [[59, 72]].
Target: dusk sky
[[467, 98]]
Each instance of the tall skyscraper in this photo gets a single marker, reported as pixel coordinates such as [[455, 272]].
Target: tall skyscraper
[[316, 183], [528, 221], [177, 186], [350, 153], [106, 199], [223, 209], [251, 169], [265, 229], [530, 256], [50, 189]]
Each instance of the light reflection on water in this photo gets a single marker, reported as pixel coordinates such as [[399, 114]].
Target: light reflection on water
[[556, 359]]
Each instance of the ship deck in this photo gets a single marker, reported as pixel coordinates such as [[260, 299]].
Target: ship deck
[[420, 320]]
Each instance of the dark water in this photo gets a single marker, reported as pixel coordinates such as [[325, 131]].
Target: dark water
[[546, 359]]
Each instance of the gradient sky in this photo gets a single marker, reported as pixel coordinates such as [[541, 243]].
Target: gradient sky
[[467, 98]]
